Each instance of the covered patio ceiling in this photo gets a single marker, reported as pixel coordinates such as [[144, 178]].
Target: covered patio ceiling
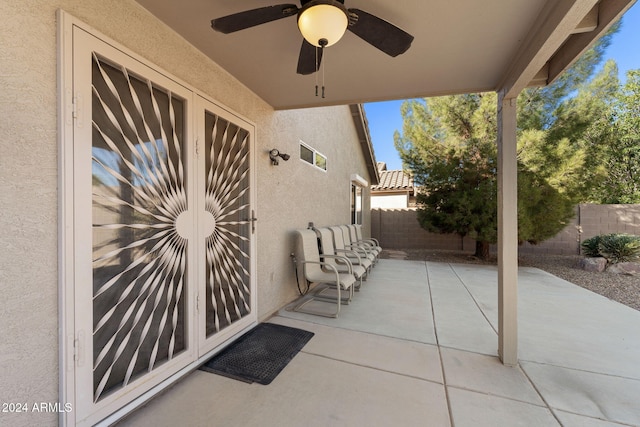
[[459, 47]]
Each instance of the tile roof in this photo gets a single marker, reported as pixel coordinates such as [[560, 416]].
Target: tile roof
[[393, 180]]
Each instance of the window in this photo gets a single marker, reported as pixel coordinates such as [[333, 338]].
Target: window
[[357, 190], [356, 204], [311, 156], [321, 161]]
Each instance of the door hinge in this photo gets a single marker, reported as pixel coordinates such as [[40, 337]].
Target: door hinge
[[76, 109], [78, 349], [197, 303]]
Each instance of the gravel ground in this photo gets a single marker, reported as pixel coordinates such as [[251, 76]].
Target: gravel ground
[[622, 288]]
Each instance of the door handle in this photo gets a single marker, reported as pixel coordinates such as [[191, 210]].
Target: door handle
[[253, 220]]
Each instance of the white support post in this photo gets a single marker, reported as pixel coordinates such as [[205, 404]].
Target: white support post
[[507, 232]]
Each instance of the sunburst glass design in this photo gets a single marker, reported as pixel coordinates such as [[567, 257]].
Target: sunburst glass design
[[229, 221], [141, 225], [139, 255]]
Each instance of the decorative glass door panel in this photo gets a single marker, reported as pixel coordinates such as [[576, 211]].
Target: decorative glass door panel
[[139, 244], [228, 225]]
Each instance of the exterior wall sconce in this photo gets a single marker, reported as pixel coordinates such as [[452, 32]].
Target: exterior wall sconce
[[274, 154]]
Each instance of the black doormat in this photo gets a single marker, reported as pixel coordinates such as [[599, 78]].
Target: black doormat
[[260, 354]]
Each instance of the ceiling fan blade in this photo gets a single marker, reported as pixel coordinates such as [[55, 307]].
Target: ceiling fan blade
[[379, 33], [251, 18], [307, 59]]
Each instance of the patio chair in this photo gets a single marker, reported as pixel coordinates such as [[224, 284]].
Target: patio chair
[[340, 262], [356, 256], [360, 247], [372, 244], [309, 259]]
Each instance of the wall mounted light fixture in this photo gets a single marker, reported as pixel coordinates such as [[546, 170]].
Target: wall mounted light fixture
[[275, 153]]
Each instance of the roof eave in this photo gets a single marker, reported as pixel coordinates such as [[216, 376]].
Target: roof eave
[[364, 137]]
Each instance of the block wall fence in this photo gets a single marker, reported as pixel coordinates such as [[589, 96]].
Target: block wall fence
[[399, 229]]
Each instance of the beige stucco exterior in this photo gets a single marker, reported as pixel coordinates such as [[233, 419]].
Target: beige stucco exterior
[[288, 196]]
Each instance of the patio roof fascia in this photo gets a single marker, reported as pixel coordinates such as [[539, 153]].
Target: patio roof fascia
[[565, 31], [555, 23], [364, 137], [608, 13]]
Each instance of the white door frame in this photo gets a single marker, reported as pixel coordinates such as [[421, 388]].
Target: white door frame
[[75, 249]]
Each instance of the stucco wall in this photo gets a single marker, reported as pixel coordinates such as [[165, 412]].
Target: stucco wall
[[295, 193], [288, 195]]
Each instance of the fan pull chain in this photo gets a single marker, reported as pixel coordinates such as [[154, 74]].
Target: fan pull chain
[[322, 43], [323, 64], [316, 73]]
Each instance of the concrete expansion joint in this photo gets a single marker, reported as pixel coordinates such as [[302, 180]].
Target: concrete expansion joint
[[587, 371], [486, 393], [400, 374]]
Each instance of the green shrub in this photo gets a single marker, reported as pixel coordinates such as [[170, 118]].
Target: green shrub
[[590, 247], [620, 247], [614, 247]]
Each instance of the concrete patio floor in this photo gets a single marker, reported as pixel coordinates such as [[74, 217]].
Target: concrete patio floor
[[417, 347]]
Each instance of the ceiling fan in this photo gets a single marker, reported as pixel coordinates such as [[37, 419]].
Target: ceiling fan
[[322, 23]]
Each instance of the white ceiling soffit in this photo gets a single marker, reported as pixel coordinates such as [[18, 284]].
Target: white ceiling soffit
[[459, 47]]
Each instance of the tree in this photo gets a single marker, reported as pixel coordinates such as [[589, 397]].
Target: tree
[[457, 172], [454, 160], [620, 152], [449, 145]]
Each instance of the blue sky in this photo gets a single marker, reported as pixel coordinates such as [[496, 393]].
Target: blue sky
[[384, 117]]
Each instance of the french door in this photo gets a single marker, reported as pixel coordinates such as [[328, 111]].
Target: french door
[[227, 224], [162, 225]]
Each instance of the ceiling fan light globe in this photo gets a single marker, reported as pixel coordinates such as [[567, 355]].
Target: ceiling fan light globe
[[323, 21]]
